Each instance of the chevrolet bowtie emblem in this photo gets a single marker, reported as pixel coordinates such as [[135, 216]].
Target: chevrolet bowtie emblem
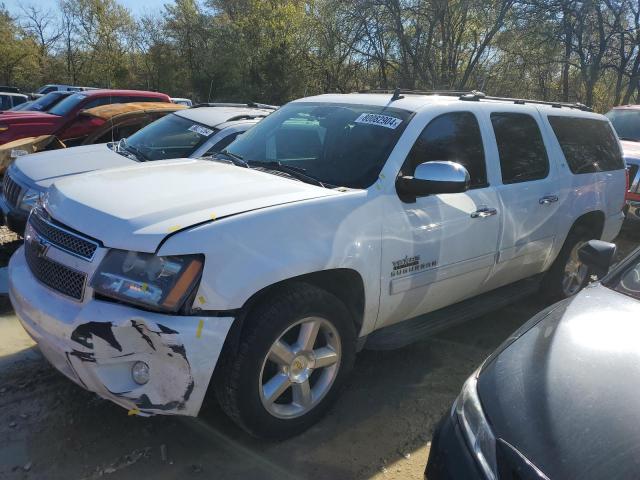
[[39, 245]]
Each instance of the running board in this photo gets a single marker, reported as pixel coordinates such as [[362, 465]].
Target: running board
[[406, 332]]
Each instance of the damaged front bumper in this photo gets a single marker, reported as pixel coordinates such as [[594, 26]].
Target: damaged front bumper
[[96, 344]]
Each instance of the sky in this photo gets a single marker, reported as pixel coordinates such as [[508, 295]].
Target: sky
[[137, 7]]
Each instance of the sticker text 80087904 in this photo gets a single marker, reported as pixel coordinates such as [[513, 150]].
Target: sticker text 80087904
[[379, 120]]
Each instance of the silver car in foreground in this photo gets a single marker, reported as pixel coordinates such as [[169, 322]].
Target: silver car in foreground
[[559, 399]]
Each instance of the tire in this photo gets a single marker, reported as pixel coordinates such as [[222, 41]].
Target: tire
[[277, 390], [555, 281]]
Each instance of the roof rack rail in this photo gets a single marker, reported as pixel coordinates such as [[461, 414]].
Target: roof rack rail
[[246, 117], [474, 96], [477, 96], [238, 105], [392, 91]]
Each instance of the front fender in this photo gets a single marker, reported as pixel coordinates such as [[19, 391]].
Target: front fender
[[248, 252]]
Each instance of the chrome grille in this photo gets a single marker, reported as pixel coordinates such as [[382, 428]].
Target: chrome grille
[[51, 273], [11, 190], [61, 237]]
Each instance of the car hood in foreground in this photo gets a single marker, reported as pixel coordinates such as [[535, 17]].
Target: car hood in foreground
[[566, 393], [44, 168], [135, 208]]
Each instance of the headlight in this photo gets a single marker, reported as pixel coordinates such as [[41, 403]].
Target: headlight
[[161, 283], [30, 198], [4, 127], [476, 428]]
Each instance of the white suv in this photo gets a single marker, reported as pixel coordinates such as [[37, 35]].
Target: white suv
[[336, 221]]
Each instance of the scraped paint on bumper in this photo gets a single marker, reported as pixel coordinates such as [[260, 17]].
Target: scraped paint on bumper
[[96, 343]]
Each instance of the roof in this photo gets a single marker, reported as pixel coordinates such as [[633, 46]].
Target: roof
[[13, 94], [106, 91], [107, 112], [213, 116], [414, 101]]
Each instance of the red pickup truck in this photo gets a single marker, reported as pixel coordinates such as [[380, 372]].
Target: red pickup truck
[[62, 120], [626, 121]]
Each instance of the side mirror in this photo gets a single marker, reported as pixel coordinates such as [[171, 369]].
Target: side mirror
[[598, 256], [433, 178]]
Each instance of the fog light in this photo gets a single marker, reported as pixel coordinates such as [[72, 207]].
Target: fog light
[[140, 373]]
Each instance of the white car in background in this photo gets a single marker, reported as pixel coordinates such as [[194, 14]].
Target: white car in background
[[182, 101], [191, 133], [8, 100]]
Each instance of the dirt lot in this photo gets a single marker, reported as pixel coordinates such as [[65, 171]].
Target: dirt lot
[[380, 428]]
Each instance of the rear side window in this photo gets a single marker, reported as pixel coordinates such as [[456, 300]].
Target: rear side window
[[523, 156], [454, 137], [97, 102], [589, 145]]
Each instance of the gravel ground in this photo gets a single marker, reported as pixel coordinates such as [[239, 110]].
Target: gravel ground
[[380, 428]]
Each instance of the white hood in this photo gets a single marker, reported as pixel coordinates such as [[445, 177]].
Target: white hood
[[44, 168], [134, 208]]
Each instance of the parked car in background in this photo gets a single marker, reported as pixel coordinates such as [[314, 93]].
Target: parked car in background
[[58, 119], [56, 87], [557, 400], [195, 132], [182, 101], [336, 222], [43, 103], [106, 123], [9, 100], [626, 121]]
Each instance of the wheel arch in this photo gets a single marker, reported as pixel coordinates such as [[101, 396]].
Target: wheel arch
[[345, 283], [590, 222]]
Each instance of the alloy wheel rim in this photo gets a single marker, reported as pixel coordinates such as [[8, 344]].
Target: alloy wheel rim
[[300, 367], [575, 272]]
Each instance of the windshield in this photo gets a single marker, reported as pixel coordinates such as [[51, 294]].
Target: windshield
[[46, 89], [171, 136], [338, 144], [626, 123], [68, 104], [45, 102]]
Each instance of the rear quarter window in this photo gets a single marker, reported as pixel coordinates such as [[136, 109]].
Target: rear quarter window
[[589, 145]]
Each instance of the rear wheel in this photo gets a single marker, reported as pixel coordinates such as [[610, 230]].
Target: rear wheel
[[295, 352], [568, 275]]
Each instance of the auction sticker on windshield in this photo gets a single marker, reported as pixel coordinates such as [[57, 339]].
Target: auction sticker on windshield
[[200, 130], [380, 120]]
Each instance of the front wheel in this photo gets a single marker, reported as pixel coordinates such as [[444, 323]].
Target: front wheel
[[297, 348]]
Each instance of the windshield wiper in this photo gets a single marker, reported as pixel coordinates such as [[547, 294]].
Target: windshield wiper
[[295, 172], [128, 151], [130, 148], [227, 156], [629, 139]]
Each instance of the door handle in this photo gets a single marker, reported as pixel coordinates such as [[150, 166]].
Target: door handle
[[484, 212], [547, 199]]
